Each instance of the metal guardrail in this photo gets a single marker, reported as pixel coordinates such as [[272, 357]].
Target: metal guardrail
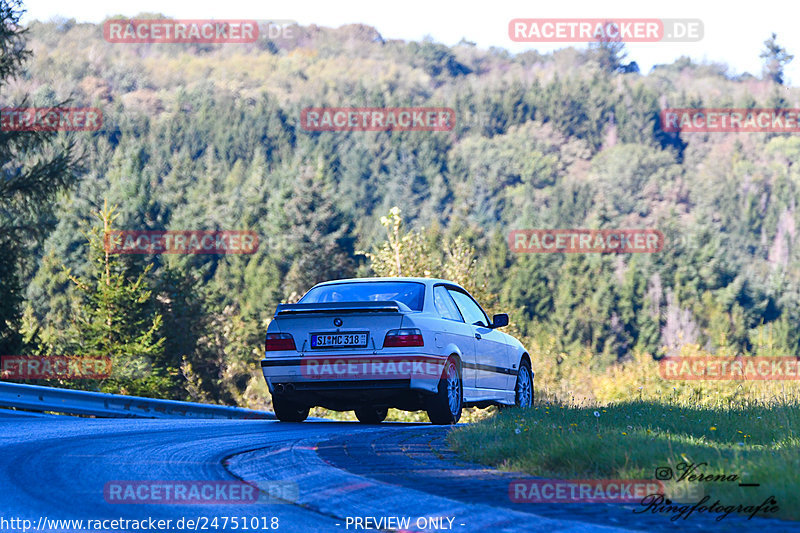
[[77, 402]]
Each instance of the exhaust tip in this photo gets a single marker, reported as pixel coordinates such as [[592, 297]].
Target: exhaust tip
[[290, 387], [279, 388]]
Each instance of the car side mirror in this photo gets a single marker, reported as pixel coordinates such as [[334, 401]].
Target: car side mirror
[[499, 320]]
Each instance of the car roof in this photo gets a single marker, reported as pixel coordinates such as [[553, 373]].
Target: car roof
[[427, 281]]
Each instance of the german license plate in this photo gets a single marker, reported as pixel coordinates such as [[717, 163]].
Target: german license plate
[[339, 340]]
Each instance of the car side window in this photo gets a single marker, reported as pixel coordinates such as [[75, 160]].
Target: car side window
[[444, 304], [472, 313]]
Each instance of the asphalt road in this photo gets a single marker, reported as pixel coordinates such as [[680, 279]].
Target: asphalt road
[[315, 476]]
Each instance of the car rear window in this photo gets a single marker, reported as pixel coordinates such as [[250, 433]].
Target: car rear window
[[410, 293]]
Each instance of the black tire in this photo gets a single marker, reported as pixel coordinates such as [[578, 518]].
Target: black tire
[[371, 415], [288, 411], [523, 389], [445, 406]]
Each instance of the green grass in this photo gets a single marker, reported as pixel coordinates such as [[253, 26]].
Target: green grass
[[759, 443]]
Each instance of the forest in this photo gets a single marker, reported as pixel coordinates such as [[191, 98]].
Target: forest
[[209, 137]]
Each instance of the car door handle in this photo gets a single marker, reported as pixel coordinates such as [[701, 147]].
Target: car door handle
[[478, 336]]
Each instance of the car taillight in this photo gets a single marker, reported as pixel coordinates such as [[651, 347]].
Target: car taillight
[[400, 338], [279, 341]]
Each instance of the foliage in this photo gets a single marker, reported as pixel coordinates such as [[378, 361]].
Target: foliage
[[210, 139]]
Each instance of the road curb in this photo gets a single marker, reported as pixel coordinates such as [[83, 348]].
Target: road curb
[[334, 492]]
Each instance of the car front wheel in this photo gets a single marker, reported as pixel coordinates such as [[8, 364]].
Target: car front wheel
[[445, 406], [289, 411]]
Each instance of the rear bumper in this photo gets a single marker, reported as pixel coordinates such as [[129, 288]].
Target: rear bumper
[[348, 374]]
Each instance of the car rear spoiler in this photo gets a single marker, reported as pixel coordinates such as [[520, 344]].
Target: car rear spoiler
[[387, 306]]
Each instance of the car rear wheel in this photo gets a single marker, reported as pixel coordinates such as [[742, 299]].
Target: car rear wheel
[[523, 391], [371, 415], [289, 411], [445, 406]]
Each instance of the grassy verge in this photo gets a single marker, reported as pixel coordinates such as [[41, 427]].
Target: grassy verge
[[757, 442]]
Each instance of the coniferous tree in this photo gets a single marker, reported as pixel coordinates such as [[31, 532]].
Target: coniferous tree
[[775, 59], [36, 167], [116, 317]]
